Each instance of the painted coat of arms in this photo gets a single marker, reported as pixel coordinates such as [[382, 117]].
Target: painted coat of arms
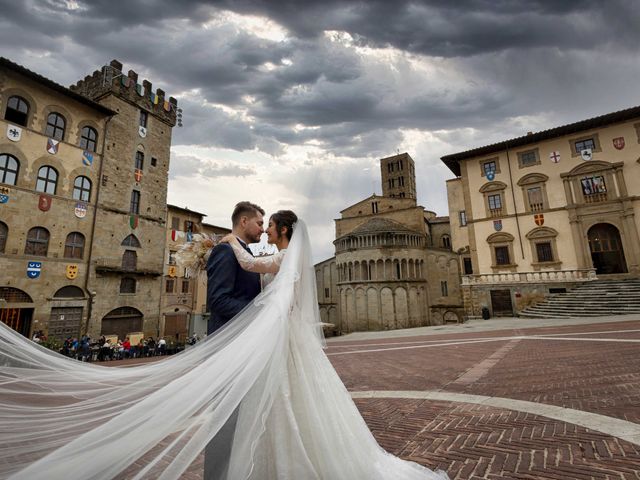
[[44, 202], [618, 143], [72, 271], [586, 154], [87, 158], [14, 133], [52, 146], [81, 210], [34, 269]]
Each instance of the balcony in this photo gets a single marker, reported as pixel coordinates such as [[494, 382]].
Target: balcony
[[536, 207], [560, 276], [495, 212], [114, 265], [595, 197]]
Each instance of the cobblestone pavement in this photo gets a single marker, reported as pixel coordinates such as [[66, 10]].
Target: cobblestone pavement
[[590, 371], [502, 399]]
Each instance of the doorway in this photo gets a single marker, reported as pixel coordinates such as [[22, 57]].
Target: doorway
[[65, 322], [606, 249], [501, 305], [122, 321]]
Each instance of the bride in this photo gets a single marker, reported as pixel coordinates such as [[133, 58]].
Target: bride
[[296, 421]]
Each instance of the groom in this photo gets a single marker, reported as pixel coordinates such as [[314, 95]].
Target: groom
[[229, 287], [229, 290]]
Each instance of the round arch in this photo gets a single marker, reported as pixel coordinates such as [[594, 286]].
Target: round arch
[[69, 291], [122, 321], [605, 245], [14, 295]]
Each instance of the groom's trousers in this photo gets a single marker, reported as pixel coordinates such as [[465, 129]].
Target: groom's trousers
[[217, 453]]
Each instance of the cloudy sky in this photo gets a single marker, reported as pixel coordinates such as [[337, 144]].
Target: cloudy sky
[[292, 104]]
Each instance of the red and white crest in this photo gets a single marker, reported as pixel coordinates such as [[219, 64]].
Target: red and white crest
[[618, 143], [539, 219], [52, 146]]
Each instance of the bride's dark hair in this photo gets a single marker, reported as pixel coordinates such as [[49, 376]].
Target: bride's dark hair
[[284, 218]]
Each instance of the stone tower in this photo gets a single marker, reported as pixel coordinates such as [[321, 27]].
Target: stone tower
[[398, 176], [127, 251]]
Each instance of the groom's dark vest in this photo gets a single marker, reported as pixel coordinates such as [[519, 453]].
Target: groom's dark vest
[[229, 287]]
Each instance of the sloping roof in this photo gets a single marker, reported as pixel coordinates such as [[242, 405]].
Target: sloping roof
[[361, 201], [452, 160], [185, 209], [8, 64], [378, 224]]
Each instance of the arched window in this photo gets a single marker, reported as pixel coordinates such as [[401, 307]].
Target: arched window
[[139, 160], [446, 241], [543, 245], [74, 245], [9, 167], [56, 125], [534, 191], [129, 260], [17, 111], [4, 233], [37, 242], [494, 198], [131, 241], [501, 244], [88, 139], [69, 291], [47, 180], [128, 285], [14, 295], [82, 188]]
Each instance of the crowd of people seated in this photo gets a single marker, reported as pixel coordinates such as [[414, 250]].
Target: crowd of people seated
[[86, 350]]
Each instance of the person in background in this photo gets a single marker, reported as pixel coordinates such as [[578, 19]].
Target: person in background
[[151, 347], [126, 347], [162, 346]]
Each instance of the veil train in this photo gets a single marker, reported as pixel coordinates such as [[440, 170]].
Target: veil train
[[61, 418]]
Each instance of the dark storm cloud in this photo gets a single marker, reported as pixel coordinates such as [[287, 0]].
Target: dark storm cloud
[[469, 27], [513, 58]]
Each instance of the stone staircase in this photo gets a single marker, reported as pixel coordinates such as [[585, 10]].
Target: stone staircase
[[593, 299]]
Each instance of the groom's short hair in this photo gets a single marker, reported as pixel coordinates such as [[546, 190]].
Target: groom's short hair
[[245, 209]]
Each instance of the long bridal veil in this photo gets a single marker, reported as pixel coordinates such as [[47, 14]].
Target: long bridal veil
[[61, 418]]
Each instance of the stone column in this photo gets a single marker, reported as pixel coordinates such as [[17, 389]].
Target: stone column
[[584, 257], [631, 233], [622, 185], [567, 191]]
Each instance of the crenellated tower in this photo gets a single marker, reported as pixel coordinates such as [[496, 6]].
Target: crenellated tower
[[128, 243]]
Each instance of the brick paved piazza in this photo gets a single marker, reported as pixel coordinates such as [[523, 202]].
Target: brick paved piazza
[[516, 398], [504, 398]]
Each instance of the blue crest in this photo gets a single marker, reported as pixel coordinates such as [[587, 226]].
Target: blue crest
[[491, 175], [87, 158], [4, 198], [497, 225], [33, 269]]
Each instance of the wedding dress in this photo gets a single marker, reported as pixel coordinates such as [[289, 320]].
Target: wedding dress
[[61, 418]]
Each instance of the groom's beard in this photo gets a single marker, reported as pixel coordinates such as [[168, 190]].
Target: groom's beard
[[254, 239]]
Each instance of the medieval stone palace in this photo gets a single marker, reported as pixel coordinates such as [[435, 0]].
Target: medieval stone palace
[[83, 190]]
